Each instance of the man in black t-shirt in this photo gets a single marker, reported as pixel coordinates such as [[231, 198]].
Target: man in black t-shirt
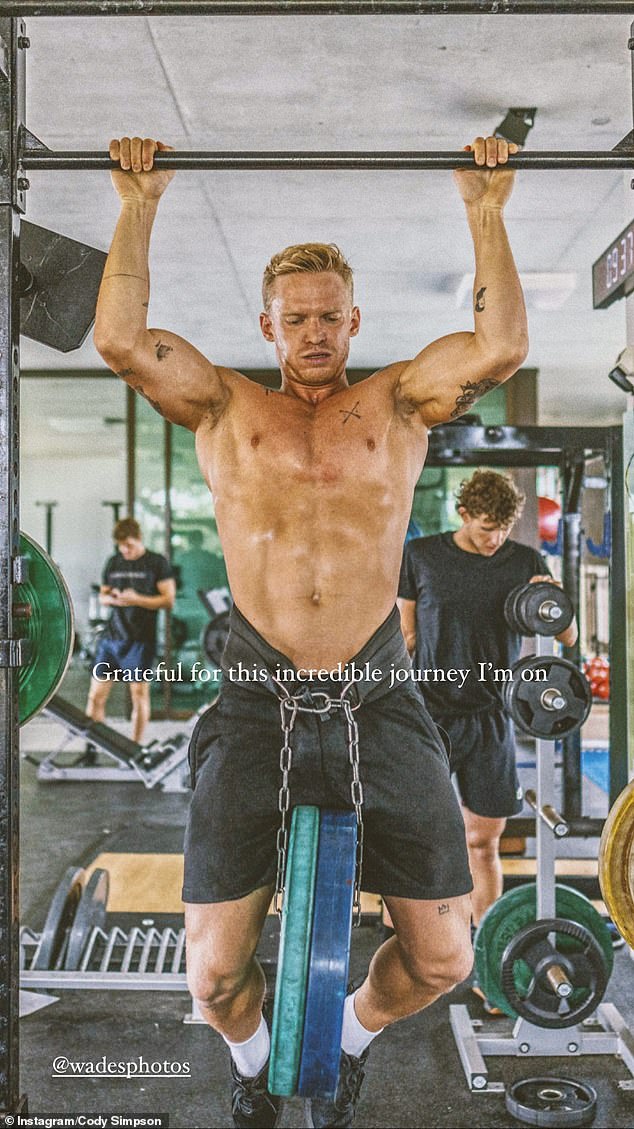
[[451, 597], [136, 583]]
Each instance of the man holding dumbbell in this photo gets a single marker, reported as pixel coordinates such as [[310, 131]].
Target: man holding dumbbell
[[452, 591]]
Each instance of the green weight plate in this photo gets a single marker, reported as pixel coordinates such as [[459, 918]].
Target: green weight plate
[[293, 961], [511, 913], [47, 627]]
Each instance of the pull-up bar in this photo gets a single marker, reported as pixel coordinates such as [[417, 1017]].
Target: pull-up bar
[[314, 7], [79, 160]]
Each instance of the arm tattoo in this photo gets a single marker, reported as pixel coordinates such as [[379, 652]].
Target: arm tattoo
[[479, 300], [125, 372], [154, 403], [443, 908], [162, 351], [351, 412], [145, 304], [470, 393]]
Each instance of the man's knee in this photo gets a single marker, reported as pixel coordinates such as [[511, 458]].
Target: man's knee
[[214, 984], [98, 693], [443, 973], [486, 846]]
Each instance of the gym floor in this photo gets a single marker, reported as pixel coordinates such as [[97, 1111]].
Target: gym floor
[[414, 1075]]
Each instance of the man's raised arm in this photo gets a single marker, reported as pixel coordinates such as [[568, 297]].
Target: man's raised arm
[[173, 376], [449, 375]]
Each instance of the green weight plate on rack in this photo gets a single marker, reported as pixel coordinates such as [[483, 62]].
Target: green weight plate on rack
[[512, 912], [294, 955], [43, 616]]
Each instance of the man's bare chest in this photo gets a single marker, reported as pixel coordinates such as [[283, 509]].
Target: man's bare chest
[[346, 435]]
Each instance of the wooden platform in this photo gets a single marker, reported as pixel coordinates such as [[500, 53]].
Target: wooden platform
[[152, 883]]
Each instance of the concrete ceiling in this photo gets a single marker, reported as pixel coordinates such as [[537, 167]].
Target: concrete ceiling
[[345, 83]]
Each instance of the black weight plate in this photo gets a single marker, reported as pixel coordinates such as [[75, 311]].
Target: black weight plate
[[552, 1102], [533, 598], [59, 919], [510, 610], [572, 947], [215, 637], [524, 699], [91, 912], [510, 914]]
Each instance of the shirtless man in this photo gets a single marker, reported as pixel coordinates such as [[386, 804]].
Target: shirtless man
[[312, 487]]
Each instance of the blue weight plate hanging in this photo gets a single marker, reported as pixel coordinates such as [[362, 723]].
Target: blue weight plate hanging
[[329, 954]]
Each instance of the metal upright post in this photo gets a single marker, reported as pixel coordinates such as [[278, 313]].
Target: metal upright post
[[571, 571], [12, 88], [545, 841]]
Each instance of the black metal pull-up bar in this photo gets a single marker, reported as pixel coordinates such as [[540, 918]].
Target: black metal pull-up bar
[[314, 7], [49, 159]]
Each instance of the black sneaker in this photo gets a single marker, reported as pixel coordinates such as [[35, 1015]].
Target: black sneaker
[[322, 1113], [251, 1103]]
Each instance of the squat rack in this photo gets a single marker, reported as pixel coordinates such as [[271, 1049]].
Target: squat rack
[[19, 152]]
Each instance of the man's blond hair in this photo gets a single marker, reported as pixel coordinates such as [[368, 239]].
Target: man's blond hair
[[312, 258]]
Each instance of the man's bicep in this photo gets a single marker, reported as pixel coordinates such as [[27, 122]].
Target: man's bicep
[[178, 381], [448, 377]]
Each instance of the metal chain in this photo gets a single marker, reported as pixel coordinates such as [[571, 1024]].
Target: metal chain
[[284, 799], [356, 792], [289, 708]]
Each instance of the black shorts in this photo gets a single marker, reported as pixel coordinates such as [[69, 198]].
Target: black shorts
[[414, 842], [483, 759]]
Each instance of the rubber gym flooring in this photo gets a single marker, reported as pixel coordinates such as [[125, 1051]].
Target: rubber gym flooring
[[414, 1077]]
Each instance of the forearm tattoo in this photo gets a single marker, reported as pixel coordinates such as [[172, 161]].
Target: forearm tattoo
[[124, 372], [479, 300], [443, 908], [472, 391]]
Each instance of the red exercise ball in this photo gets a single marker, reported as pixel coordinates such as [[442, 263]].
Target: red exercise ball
[[549, 514]]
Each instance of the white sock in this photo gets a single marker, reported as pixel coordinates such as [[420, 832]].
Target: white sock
[[354, 1036], [253, 1054]]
